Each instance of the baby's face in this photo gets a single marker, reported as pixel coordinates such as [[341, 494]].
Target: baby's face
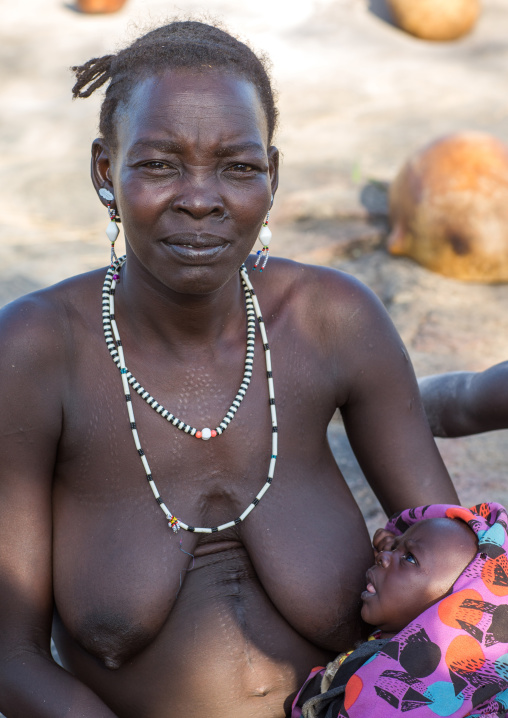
[[421, 568]]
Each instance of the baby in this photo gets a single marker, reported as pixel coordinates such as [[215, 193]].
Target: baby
[[430, 592], [419, 569]]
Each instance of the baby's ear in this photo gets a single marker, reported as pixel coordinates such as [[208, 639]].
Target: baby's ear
[[383, 541]]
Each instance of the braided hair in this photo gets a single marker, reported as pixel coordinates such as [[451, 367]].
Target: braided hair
[[181, 44]]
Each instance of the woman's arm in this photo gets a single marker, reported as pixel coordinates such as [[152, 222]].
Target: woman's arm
[[382, 412], [462, 403], [32, 372]]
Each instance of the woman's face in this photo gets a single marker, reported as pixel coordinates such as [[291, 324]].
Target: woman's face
[[192, 176]]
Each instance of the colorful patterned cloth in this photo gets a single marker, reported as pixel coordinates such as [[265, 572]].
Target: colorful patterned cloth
[[453, 659], [322, 694]]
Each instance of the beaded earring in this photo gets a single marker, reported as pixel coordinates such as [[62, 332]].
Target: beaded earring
[[112, 229], [264, 237]]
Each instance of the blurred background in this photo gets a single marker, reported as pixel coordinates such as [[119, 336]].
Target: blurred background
[[357, 97]]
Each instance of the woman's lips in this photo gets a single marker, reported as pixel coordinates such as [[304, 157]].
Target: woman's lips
[[196, 249]]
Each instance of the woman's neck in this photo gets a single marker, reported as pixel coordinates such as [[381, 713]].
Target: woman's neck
[[150, 308]]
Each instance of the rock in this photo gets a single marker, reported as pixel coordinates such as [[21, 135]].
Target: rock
[[449, 208], [435, 19]]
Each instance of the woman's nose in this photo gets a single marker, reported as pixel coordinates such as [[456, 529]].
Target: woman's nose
[[384, 558], [199, 199]]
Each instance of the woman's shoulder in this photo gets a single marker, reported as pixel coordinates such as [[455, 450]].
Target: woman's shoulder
[[57, 295], [40, 320], [322, 289], [323, 304]]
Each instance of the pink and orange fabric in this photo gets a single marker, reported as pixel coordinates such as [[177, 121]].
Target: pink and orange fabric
[[453, 659]]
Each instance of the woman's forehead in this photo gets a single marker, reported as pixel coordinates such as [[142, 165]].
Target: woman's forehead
[[184, 101]]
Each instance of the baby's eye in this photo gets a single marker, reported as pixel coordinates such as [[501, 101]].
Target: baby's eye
[[408, 556]]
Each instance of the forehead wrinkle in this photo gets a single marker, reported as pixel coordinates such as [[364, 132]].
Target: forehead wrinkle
[[172, 118], [219, 147], [228, 120]]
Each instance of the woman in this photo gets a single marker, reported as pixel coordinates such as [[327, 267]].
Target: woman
[[150, 622]]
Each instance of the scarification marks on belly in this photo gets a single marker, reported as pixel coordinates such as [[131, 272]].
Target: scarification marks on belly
[[238, 630]]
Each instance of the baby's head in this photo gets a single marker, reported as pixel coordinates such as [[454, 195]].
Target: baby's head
[[419, 570]]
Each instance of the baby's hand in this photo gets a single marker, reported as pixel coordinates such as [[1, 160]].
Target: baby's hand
[[383, 541]]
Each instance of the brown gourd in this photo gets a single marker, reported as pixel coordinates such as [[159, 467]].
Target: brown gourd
[[449, 208], [435, 19], [99, 6]]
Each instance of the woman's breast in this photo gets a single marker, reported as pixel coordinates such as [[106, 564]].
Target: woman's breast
[[120, 572], [223, 649]]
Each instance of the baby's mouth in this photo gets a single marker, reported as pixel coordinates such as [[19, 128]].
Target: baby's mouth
[[370, 589]]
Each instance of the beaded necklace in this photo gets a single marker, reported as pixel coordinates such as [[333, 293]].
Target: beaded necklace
[[115, 348], [108, 320]]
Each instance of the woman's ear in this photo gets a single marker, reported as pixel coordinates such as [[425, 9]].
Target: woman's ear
[[273, 168], [101, 167]]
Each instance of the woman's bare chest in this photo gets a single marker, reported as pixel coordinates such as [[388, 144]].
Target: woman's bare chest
[[123, 561], [149, 426]]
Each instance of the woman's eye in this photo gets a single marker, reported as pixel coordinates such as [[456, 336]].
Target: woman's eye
[[156, 165], [408, 556], [241, 167]]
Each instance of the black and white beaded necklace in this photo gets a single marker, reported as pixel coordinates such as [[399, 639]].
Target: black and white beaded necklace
[[113, 340], [115, 348]]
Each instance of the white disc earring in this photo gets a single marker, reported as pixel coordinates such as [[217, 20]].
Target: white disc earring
[[112, 230]]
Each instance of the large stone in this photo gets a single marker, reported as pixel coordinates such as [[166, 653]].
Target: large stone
[[435, 19], [449, 208]]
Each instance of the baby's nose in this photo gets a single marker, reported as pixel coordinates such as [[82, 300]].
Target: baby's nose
[[384, 558]]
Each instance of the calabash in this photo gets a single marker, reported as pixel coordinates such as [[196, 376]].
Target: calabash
[[436, 19], [449, 208]]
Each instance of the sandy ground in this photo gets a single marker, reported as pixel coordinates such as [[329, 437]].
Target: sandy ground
[[356, 97]]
